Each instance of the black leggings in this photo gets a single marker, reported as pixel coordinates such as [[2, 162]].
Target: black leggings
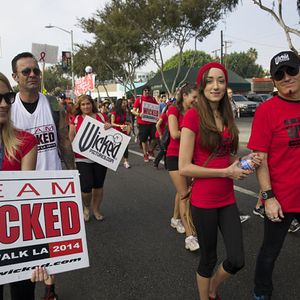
[[20, 290], [207, 221]]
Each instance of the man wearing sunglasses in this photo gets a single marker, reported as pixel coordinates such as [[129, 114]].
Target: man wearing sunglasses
[[32, 112], [276, 134]]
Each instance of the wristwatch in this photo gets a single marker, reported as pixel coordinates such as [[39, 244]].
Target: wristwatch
[[267, 194]]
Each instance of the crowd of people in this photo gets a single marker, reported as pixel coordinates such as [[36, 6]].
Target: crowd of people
[[197, 136]]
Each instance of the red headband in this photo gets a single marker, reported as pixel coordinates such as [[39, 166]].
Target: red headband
[[207, 67]]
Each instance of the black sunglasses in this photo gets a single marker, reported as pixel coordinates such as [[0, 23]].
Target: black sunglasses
[[8, 97], [288, 70], [27, 71]]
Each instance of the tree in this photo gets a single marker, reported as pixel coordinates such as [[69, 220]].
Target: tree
[[176, 22], [118, 49], [243, 63], [54, 77], [130, 32], [279, 18], [189, 58]]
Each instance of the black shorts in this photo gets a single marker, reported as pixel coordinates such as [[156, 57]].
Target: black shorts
[[92, 176], [146, 131], [172, 163]]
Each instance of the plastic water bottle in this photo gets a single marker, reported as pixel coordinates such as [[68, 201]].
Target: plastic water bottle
[[246, 163]]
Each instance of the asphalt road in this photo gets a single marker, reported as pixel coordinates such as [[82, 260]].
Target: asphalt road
[[135, 254]]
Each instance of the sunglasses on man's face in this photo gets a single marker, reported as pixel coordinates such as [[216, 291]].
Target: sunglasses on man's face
[[27, 71], [288, 70], [8, 97]]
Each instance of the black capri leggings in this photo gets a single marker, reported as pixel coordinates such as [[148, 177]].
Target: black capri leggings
[[207, 221], [92, 176]]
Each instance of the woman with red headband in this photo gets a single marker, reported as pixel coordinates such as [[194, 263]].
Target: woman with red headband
[[209, 142]]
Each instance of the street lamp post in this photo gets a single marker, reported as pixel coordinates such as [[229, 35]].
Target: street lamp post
[[72, 51]]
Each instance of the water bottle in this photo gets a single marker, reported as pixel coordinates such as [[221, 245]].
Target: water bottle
[[246, 163]]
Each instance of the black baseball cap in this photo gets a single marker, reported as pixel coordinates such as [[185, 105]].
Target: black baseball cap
[[284, 59]]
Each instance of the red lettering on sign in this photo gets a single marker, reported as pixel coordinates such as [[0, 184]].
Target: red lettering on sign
[[51, 219], [70, 185], [30, 221], [31, 189], [8, 235], [69, 217]]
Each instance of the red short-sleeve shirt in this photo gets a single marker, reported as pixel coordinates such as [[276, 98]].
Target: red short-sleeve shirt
[[173, 147], [210, 192], [164, 119], [276, 131], [139, 104], [28, 141]]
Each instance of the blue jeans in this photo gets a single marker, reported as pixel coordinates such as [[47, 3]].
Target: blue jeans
[[274, 235]]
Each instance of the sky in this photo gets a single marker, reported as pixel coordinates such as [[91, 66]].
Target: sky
[[23, 23]]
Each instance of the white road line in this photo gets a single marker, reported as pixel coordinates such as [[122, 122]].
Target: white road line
[[236, 188]]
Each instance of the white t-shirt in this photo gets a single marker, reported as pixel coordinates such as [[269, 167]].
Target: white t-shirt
[[41, 124]]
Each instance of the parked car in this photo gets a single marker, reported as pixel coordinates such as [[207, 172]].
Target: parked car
[[259, 98], [244, 106]]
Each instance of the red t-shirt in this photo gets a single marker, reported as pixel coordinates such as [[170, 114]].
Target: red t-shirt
[[28, 141], [120, 120], [276, 131], [77, 121], [139, 104], [173, 147], [164, 119], [210, 192]]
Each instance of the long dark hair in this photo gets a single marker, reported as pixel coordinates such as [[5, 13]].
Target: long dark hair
[[185, 89], [210, 136], [118, 109]]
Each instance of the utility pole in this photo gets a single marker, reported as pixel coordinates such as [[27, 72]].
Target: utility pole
[[215, 52], [227, 45], [222, 45]]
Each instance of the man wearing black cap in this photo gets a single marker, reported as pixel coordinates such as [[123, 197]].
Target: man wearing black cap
[[276, 134]]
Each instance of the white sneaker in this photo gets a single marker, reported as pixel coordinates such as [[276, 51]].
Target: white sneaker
[[191, 243], [177, 224]]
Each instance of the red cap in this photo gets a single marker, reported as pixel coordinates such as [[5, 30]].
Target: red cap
[[209, 66]]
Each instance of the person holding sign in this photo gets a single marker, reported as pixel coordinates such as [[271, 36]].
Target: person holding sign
[[18, 151], [92, 175], [146, 129], [120, 123]]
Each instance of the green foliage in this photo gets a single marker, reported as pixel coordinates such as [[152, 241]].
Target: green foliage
[[54, 78], [243, 63], [189, 58], [128, 33]]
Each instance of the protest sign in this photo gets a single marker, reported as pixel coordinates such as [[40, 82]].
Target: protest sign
[[84, 84], [150, 112], [105, 147], [45, 53], [41, 223]]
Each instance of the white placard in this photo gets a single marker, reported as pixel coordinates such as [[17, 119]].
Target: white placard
[[41, 223], [105, 147], [150, 112], [45, 53]]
